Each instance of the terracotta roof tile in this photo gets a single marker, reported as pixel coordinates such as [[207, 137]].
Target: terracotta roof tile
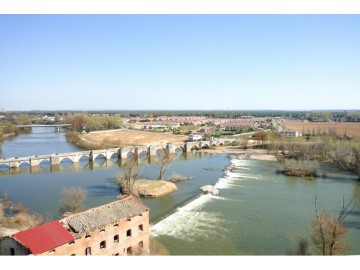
[[106, 214]]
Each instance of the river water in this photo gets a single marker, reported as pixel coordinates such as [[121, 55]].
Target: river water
[[258, 211]]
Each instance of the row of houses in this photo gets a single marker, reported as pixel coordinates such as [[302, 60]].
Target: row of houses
[[117, 228]]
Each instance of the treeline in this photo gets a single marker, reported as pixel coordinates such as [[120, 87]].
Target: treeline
[[336, 116], [7, 128], [84, 122], [343, 154]]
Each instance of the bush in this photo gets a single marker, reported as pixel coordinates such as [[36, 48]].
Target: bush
[[302, 168]]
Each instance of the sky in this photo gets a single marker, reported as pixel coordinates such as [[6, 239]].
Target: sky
[[179, 62]]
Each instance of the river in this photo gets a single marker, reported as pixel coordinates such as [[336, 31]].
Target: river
[[258, 211]]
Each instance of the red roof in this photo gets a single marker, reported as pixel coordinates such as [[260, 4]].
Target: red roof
[[44, 237]]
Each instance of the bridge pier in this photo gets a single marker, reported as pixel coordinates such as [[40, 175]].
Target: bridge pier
[[170, 148], [123, 153], [55, 160], [188, 147], [152, 150], [34, 162], [14, 164]]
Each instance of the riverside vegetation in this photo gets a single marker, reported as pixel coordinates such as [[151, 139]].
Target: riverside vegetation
[[328, 150]]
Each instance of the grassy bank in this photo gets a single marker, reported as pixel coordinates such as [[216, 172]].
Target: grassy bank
[[74, 138]]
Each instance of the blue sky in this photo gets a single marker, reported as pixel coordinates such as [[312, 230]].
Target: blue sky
[[179, 62]]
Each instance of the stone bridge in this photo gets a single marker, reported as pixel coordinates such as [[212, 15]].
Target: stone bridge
[[122, 153]]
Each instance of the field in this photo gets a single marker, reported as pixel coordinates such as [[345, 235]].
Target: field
[[351, 129], [132, 137]]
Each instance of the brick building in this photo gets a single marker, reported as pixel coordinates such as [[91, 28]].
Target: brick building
[[116, 228]]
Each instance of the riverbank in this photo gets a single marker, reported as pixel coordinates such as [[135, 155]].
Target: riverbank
[[133, 137], [117, 138], [258, 154]]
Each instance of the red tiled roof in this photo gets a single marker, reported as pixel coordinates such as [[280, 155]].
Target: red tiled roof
[[44, 237]]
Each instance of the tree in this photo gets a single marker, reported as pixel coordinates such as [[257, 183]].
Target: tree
[[72, 200], [328, 230], [302, 248], [127, 178], [165, 163]]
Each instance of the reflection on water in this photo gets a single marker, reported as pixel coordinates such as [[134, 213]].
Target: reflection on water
[[66, 165]]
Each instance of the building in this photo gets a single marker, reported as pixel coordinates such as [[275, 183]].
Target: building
[[236, 124], [116, 228], [289, 133]]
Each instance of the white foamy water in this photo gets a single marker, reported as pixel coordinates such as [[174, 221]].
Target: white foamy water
[[190, 221]]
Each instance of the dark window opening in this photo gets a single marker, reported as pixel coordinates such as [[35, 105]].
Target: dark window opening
[[116, 239], [116, 225], [87, 236], [73, 255], [103, 244], [141, 244], [128, 219], [88, 251], [12, 251], [116, 254], [128, 233], [71, 243], [102, 230], [141, 227], [129, 250]]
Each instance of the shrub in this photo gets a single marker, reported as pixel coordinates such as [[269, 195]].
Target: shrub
[[303, 168]]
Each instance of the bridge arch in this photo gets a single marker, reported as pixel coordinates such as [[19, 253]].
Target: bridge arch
[[194, 147], [65, 162], [143, 155], [82, 158], [99, 156], [24, 163], [131, 155], [205, 146], [44, 163], [4, 167], [160, 152]]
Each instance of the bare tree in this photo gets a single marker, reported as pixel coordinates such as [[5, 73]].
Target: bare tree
[[302, 248], [328, 230], [72, 200], [165, 163], [126, 179]]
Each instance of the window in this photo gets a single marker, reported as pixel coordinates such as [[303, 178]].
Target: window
[[87, 236], [52, 251], [71, 243], [141, 244], [128, 219], [116, 254], [116, 225], [73, 254], [102, 230], [88, 251], [129, 251], [103, 244], [12, 251], [128, 233], [141, 227], [116, 239]]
